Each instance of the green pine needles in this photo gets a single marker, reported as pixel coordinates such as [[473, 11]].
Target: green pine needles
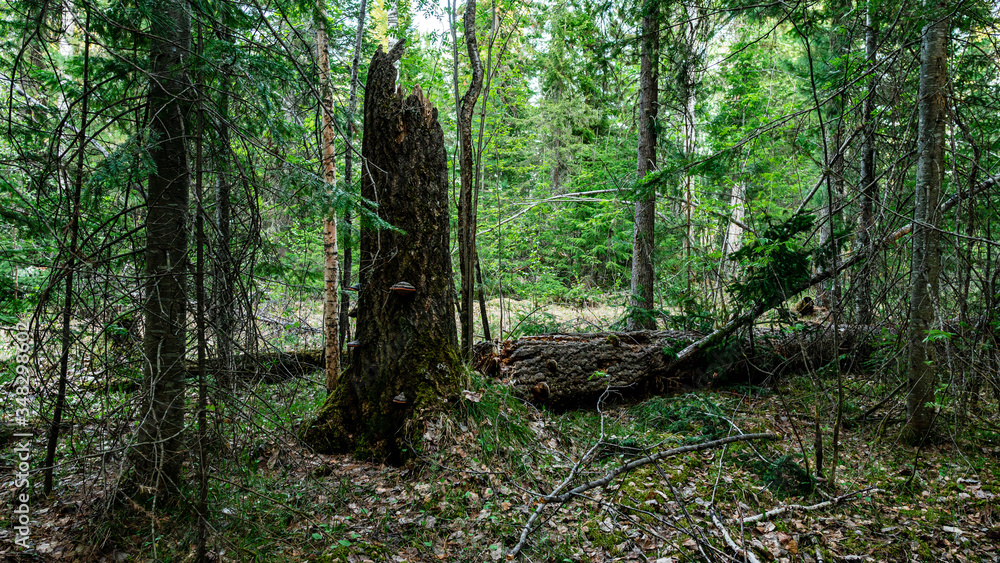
[[773, 261]]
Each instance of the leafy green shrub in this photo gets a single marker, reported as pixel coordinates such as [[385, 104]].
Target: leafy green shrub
[[685, 310], [16, 298]]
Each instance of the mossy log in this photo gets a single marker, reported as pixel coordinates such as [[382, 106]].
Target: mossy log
[[573, 370], [404, 367]]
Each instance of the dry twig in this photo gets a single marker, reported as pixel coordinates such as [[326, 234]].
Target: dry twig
[[798, 507], [746, 553]]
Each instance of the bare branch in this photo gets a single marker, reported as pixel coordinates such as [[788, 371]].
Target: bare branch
[[799, 508], [746, 553]]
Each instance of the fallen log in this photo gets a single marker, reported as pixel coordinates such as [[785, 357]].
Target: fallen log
[[271, 367], [715, 337], [569, 370]]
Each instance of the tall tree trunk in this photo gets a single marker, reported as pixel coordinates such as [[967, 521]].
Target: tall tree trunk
[[201, 301], [33, 41], [466, 201], [222, 309], [405, 365], [159, 450], [490, 72], [926, 258], [734, 230], [688, 78], [331, 301], [869, 185], [641, 300], [828, 292], [346, 235]]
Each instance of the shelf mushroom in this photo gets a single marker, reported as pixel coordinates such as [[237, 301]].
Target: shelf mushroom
[[403, 288], [399, 399], [353, 344], [355, 287]]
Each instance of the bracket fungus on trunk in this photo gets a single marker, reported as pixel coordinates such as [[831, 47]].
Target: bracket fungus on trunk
[[403, 288]]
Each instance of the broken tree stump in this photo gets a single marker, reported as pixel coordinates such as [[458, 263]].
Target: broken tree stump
[[403, 370]]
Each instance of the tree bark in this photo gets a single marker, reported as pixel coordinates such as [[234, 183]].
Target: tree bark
[[641, 300], [404, 367], [331, 301], [159, 450], [466, 203], [222, 311], [869, 184], [925, 264], [201, 306], [485, 93], [569, 370], [694, 19], [734, 230], [828, 292], [352, 106]]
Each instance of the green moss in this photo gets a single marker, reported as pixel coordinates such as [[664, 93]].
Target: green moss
[[327, 433], [606, 540], [687, 414], [374, 426], [788, 478]]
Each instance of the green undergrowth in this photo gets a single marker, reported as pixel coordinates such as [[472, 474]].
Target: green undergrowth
[[696, 417], [500, 423], [270, 499]]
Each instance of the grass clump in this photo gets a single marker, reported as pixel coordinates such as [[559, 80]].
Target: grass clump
[[499, 419]]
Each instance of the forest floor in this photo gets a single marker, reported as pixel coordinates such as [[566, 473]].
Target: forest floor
[[295, 323], [482, 474], [470, 499], [525, 316]]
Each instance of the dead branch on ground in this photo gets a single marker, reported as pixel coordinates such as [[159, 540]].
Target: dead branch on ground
[[800, 508], [556, 498]]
